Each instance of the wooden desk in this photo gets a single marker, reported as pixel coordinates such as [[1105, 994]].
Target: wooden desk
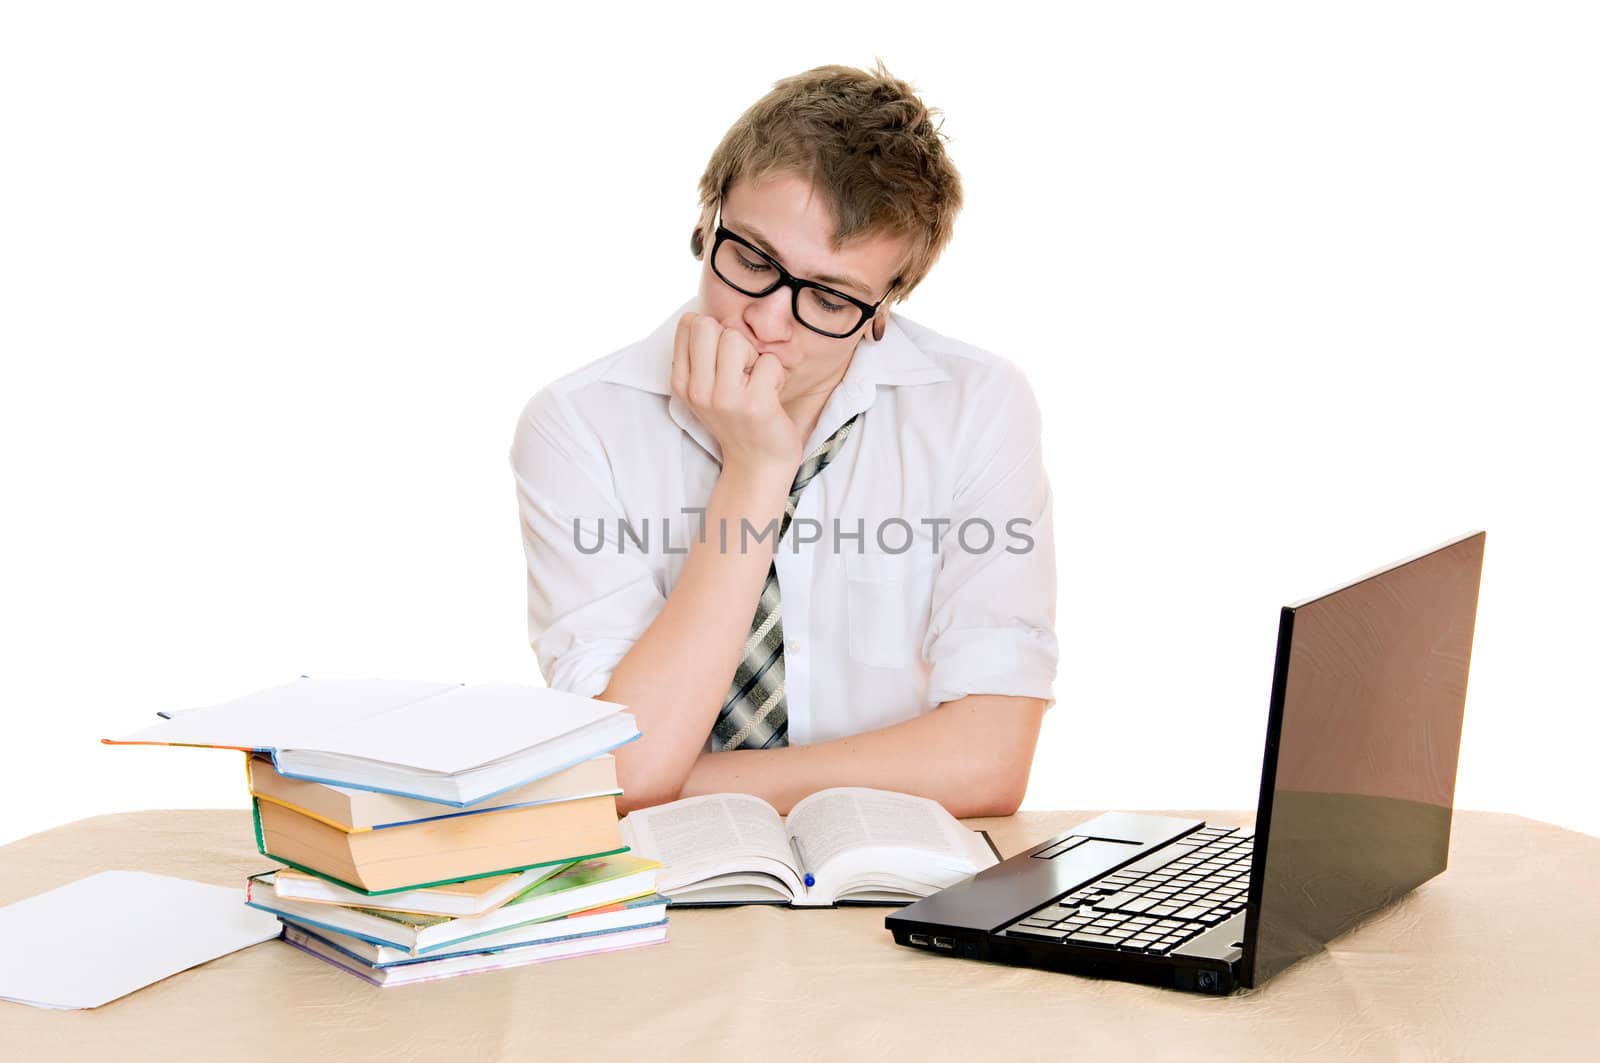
[[1496, 959]]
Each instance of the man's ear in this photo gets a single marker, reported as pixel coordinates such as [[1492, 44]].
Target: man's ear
[[697, 239], [879, 323]]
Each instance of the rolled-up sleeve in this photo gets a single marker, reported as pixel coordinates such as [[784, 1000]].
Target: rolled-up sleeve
[[992, 623], [588, 602]]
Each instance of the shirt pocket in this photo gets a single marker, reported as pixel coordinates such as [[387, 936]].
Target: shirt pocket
[[889, 597]]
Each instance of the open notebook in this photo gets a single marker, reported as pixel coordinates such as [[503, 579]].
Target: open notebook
[[847, 845]]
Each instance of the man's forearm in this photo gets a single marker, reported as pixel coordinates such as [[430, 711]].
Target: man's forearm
[[971, 755], [676, 677]]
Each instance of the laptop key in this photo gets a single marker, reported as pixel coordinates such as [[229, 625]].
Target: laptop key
[[1040, 932], [1084, 938], [1160, 858]]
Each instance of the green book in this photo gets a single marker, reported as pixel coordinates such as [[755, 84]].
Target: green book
[[590, 883], [565, 883]]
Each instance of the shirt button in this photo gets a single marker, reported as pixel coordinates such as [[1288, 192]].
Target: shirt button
[[796, 644]]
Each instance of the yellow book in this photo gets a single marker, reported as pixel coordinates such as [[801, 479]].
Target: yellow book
[[445, 849]]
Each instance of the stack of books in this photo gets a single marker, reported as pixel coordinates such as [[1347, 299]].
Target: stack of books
[[429, 830]]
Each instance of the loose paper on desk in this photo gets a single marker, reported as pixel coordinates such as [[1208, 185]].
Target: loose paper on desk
[[101, 937]]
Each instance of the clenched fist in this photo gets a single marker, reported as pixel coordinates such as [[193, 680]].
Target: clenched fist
[[735, 393]]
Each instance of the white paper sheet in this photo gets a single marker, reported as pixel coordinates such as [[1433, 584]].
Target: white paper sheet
[[436, 727], [465, 726], [289, 716], [102, 937]]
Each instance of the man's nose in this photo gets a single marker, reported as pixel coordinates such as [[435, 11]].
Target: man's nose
[[771, 316]]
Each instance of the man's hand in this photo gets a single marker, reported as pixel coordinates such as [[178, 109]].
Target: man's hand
[[735, 393]]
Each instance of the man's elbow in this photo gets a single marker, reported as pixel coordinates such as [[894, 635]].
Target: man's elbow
[[1002, 796], [628, 801], [641, 779], [1001, 784], [639, 775], [994, 784], [995, 792], [1007, 797], [643, 791]]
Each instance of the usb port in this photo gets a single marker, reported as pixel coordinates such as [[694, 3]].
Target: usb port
[[944, 943], [921, 939]]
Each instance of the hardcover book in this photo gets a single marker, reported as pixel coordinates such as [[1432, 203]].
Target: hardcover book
[[353, 809], [437, 851]]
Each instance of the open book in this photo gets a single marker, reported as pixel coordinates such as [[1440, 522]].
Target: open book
[[848, 845]]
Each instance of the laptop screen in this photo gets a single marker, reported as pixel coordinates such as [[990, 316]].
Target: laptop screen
[[1362, 740]]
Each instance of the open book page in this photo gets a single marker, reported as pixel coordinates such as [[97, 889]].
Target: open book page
[[857, 839], [701, 838]]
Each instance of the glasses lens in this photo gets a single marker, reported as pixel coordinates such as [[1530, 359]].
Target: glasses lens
[[828, 313], [743, 269]]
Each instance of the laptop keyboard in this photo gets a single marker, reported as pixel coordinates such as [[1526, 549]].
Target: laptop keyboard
[[1155, 903]]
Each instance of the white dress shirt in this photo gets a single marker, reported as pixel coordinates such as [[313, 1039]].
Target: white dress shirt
[[875, 631]]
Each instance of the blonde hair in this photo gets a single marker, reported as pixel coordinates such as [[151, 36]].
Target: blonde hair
[[865, 142]]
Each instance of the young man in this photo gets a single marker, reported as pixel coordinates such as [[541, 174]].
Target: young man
[[900, 633]]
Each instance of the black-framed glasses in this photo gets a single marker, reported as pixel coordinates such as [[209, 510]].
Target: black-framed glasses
[[751, 271]]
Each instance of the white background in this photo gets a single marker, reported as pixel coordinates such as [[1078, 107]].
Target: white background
[[1301, 292]]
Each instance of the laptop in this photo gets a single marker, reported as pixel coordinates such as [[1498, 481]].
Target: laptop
[[1357, 788]]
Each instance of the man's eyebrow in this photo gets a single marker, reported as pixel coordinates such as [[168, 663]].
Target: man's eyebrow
[[754, 235]]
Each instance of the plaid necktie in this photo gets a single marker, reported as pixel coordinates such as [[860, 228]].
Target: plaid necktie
[[756, 713]]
